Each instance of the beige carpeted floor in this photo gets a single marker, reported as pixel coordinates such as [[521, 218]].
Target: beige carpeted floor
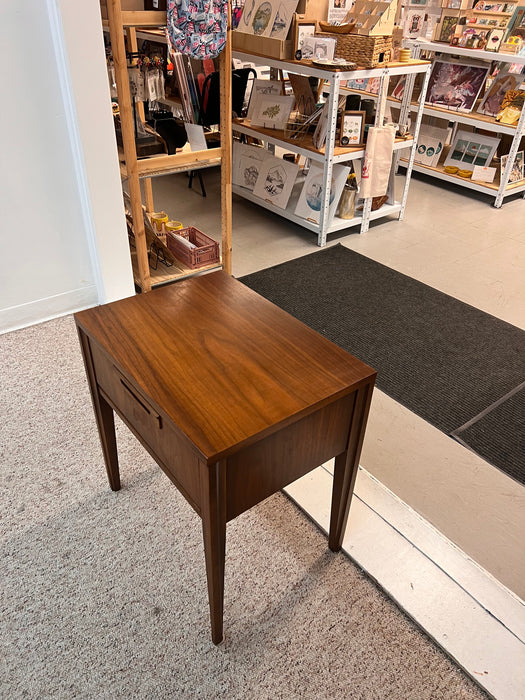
[[103, 595]]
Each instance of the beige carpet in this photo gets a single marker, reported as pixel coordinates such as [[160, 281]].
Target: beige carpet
[[103, 595]]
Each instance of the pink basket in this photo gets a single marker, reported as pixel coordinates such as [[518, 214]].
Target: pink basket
[[205, 253]]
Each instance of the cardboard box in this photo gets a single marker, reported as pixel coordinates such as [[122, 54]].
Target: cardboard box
[[262, 45]]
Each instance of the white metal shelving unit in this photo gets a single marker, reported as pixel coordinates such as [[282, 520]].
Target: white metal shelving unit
[[331, 154], [498, 190]]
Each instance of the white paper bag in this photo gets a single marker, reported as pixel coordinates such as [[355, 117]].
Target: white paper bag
[[377, 161]]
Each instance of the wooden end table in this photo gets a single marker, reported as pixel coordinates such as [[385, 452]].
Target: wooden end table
[[232, 397]]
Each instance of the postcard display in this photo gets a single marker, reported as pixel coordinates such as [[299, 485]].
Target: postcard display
[[464, 94], [306, 186]]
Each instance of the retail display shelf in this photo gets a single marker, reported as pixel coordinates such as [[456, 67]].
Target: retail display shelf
[[336, 225], [309, 69], [436, 47], [500, 188], [475, 119], [490, 188], [158, 165], [332, 154], [303, 144]]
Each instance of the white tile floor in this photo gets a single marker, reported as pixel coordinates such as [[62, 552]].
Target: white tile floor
[[455, 241]]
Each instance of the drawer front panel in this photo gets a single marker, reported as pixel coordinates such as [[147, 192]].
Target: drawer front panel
[[164, 441]]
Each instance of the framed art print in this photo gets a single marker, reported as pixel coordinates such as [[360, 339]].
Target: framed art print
[[302, 28], [352, 129], [455, 85]]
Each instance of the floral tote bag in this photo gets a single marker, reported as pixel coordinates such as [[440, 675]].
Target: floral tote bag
[[197, 28]]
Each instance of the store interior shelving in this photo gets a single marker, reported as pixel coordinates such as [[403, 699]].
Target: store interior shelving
[[330, 154], [500, 187]]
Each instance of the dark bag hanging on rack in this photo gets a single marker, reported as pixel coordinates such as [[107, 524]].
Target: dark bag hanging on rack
[[168, 128], [210, 111]]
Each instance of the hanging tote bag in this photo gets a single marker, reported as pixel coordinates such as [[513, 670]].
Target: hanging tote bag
[[197, 28], [377, 162]]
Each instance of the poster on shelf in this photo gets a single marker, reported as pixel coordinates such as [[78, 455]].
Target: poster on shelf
[[305, 100], [246, 163], [491, 103], [312, 193], [455, 85], [283, 19], [399, 90], [258, 17], [430, 144], [276, 180], [470, 149], [518, 167]]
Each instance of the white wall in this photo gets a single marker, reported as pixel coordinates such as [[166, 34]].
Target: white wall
[[63, 238]]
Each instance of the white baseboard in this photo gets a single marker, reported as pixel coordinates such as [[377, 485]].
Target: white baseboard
[[473, 617], [23, 315]]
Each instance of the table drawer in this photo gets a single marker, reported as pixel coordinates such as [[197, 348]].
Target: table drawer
[[163, 440]]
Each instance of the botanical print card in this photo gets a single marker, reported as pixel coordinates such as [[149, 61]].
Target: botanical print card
[[312, 194], [272, 111], [262, 87], [276, 180]]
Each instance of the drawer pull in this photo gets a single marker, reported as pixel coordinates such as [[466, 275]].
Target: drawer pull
[[146, 408]]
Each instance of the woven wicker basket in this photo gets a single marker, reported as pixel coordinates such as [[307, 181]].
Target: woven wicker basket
[[366, 51]]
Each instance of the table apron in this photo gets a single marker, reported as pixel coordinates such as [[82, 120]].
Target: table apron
[[269, 465]]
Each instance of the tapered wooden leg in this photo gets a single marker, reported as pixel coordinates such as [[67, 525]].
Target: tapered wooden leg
[[213, 513], [104, 417], [346, 466], [106, 429]]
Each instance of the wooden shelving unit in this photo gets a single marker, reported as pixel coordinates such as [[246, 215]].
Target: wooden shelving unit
[[135, 170]]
